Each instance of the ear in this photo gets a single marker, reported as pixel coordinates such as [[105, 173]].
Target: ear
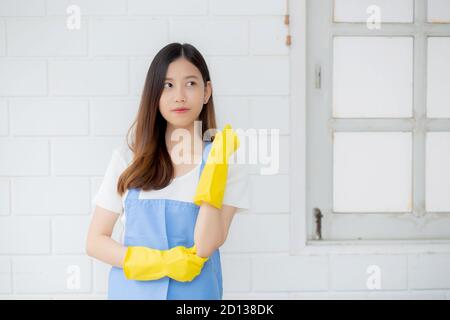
[[208, 91]]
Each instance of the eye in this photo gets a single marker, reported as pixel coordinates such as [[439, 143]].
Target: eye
[[193, 83]]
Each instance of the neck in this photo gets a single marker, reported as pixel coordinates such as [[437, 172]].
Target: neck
[[190, 137]]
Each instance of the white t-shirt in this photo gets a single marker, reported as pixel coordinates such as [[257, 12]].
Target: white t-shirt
[[181, 188]]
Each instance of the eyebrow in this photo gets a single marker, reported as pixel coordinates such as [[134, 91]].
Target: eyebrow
[[192, 76]]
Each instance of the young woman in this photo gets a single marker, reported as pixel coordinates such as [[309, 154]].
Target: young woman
[[176, 215]]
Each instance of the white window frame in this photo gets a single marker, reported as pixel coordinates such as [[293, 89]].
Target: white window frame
[[299, 243]]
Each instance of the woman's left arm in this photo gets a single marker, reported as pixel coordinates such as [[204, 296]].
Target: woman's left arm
[[211, 229]]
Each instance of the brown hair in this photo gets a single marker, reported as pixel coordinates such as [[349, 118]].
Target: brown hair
[[152, 166]]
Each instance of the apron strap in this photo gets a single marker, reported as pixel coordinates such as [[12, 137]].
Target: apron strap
[[133, 193]]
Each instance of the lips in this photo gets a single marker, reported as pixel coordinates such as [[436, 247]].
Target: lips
[[180, 109]]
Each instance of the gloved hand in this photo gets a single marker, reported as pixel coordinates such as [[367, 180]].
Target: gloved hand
[[213, 180], [179, 263]]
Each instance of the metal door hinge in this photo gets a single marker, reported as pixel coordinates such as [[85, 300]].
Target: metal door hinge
[[318, 216]]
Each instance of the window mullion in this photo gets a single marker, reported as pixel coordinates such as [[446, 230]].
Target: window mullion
[[419, 109]]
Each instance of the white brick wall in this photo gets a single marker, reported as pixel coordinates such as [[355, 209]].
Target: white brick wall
[[57, 87], [22, 34], [25, 235], [23, 77], [45, 116]]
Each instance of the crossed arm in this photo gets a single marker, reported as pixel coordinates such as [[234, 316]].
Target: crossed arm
[[211, 231]]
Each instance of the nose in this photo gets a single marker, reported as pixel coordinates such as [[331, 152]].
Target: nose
[[180, 97]]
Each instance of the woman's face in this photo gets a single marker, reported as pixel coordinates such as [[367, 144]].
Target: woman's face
[[183, 87]]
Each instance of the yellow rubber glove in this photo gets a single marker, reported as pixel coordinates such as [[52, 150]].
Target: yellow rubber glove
[[213, 180], [179, 263]]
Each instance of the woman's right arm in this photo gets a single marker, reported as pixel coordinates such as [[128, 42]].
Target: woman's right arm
[[99, 244]]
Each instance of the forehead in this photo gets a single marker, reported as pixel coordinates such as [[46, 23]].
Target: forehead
[[186, 77], [182, 69]]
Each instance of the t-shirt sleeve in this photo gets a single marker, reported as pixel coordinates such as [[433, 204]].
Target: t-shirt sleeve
[[237, 188], [107, 196]]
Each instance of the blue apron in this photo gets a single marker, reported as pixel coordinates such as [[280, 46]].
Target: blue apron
[[163, 224]]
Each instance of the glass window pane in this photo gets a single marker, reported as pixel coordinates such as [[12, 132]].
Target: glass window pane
[[372, 172], [438, 77], [361, 10], [438, 172], [439, 11], [372, 77]]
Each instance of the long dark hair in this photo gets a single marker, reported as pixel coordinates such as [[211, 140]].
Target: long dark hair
[[152, 166]]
